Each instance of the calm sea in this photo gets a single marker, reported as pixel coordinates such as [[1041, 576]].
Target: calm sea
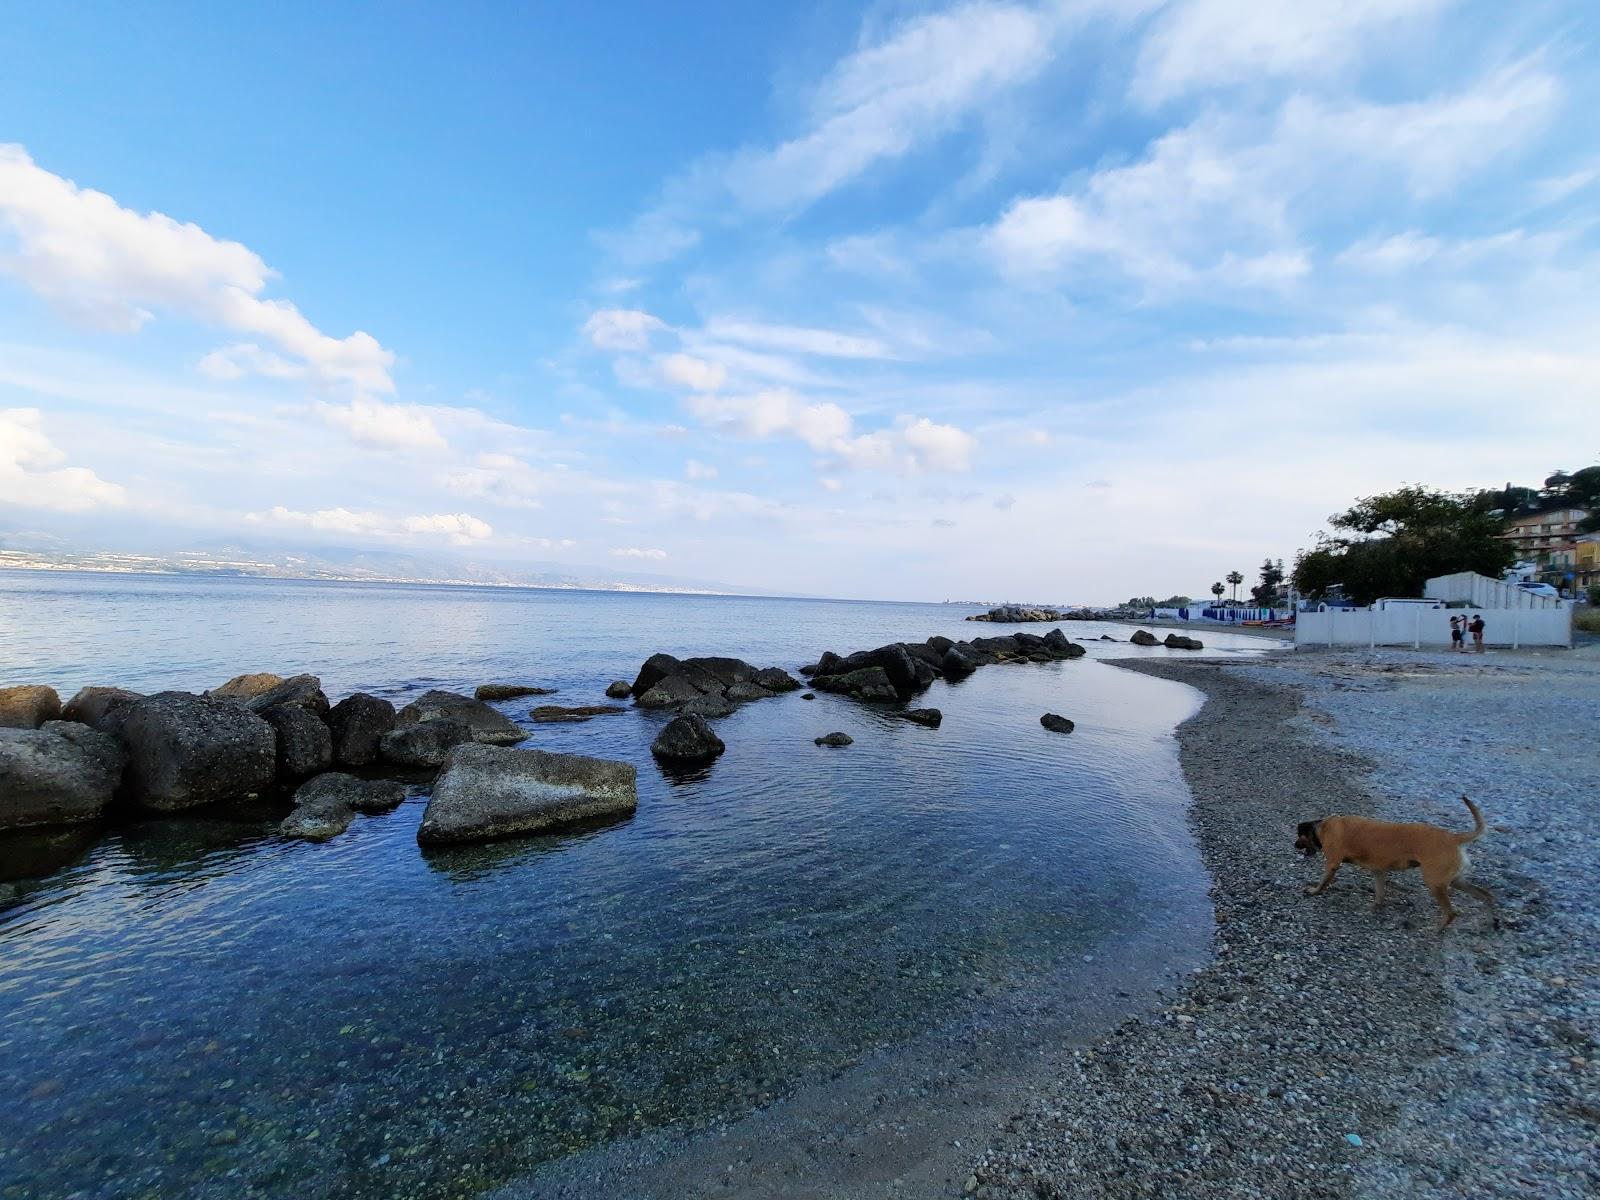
[[193, 1006]]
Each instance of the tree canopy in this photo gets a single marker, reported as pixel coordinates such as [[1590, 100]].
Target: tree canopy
[[1390, 544]]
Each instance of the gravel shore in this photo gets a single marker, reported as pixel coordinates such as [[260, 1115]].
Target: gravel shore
[[1329, 1051]]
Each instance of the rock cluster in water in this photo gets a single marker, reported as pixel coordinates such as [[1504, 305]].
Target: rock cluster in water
[[706, 687], [175, 751], [901, 670], [1017, 614]]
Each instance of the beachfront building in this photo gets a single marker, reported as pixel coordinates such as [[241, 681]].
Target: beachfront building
[[1548, 538]]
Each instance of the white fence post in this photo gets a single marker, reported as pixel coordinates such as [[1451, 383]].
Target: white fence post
[[1416, 633], [1516, 621]]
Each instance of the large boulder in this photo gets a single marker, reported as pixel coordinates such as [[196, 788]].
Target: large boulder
[[1143, 637], [423, 743], [357, 723], [775, 679], [869, 683], [28, 706], [62, 774], [1056, 723], [957, 663], [1061, 646], [619, 689], [485, 724], [325, 806], [186, 750], [93, 705], [299, 691], [687, 738], [1178, 641], [305, 746], [725, 671], [246, 687], [509, 691], [656, 668], [491, 792]]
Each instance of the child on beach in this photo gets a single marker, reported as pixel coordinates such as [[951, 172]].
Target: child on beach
[[1457, 642], [1477, 634]]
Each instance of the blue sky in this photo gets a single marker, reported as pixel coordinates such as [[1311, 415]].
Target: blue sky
[[1053, 301]]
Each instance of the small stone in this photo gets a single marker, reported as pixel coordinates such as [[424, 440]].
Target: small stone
[[1353, 1138]]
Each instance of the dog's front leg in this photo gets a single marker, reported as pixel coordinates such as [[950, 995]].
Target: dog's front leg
[[1379, 878], [1330, 869]]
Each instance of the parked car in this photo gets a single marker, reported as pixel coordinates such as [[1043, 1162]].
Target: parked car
[[1540, 589]]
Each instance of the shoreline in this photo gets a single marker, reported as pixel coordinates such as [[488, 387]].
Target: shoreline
[[1328, 1051]]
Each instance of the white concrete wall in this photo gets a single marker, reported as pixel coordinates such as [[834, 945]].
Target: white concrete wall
[[1415, 625], [1468, 587]]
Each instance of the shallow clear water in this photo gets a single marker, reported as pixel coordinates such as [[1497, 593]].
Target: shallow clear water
[[194, 1007]]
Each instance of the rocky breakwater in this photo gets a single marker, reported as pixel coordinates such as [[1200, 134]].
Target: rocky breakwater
[[1018, 614], [706, 687], [900, 670]]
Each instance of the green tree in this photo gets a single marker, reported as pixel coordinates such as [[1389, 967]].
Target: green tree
[[1390, 544], [1265, 593], [1217, 590], [1234, 580]]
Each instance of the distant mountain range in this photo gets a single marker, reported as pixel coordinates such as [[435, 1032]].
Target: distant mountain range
[[32, 551]]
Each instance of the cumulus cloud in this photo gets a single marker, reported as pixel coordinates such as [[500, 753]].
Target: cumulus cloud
[[637, 552], [31, 474], [621, 329], [457, 528], [696, 374], [116, 268], [383, 426]]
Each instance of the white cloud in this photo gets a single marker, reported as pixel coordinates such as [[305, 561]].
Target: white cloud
[[1210, 43], [383, 426], [829, 484], [621, 328], [696, 374], [637, 552], [115, 268], [1223, 200], [31, 475], [797, 339], [694, 469], [938, 447], [773, 412], [458, 528], [498, 478]]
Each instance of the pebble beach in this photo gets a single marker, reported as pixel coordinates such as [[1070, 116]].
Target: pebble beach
[[1328, 1051]]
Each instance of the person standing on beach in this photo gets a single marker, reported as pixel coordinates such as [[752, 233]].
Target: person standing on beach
[[1477, 633], [1457, 638]]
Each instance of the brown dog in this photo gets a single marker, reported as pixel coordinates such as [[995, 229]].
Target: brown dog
[[1384, 846]]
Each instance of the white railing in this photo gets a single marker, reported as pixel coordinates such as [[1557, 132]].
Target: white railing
[[1417, 626]]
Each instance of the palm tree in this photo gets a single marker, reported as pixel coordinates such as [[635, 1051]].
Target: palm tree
[[1235, 579], [1216, 590]]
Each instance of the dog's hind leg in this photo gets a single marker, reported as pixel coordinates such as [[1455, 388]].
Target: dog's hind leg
[[1316, 889], [1379, 878], [1482, 893], [1441, 896]]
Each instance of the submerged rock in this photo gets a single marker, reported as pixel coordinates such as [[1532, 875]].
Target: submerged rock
[[1056, 724], [619, 689], [483, 723], [775, 679], [305, 746], [931, 717], [490, 792], [325, 806], [834, 739], [186, 750], [687, 738], [1142, 637], [357, 723], [423, 743], [62, 774], [509, 691], [809, 696], [28, 706], [317, 821], [551, 713], [93, 705]]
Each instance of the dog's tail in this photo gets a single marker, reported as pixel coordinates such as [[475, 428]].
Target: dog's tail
[[1477, 826]]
